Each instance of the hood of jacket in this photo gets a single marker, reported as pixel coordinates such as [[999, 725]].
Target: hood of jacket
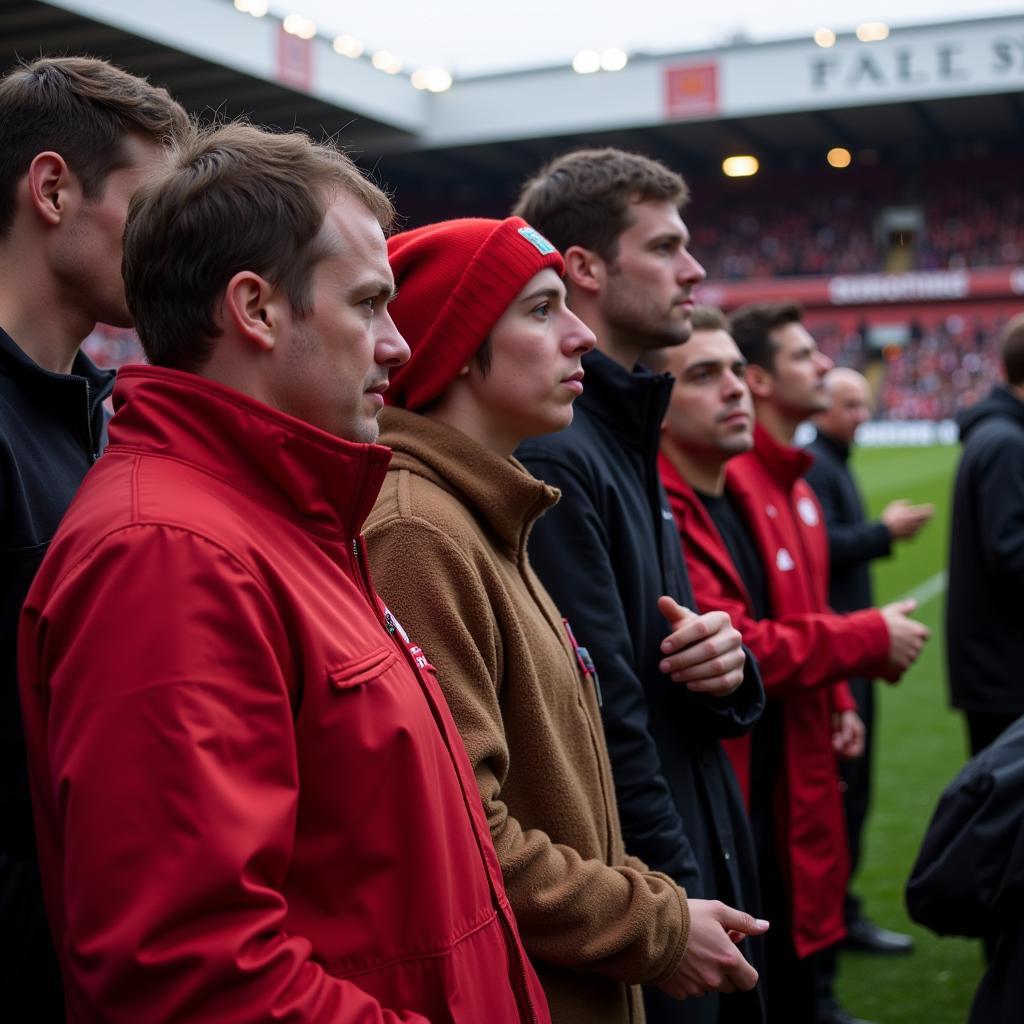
[[1000, 403]]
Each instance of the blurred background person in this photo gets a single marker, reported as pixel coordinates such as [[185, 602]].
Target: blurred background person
[[804, 729], [853, 541], [803, 649], [985, 602]]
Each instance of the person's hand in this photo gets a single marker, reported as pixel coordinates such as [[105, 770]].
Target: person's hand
[[712, 963], [848, 734], [903, 519], [702, 651], [906, 637]]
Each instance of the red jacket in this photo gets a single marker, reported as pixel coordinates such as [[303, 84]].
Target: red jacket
[[802, 650], [251, 801]]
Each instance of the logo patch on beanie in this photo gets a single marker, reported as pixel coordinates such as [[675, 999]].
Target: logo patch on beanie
[[537, 240]]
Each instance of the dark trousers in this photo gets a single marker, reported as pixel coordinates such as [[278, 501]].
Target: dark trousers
[[857, 786], [30, 982], [857, 781], [984, 727], [791, 983]]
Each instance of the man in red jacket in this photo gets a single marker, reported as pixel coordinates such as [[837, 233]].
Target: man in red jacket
[[756, 548], [251, 801]]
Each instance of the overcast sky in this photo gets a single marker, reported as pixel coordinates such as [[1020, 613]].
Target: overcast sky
[[471, 36]]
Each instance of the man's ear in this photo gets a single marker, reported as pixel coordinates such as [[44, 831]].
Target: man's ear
[[52, 189], [254, 309], [759, 380], [584, 269]]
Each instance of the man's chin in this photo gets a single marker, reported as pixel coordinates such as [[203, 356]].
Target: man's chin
[[669, 339]]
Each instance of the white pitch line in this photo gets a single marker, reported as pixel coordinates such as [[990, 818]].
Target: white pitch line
[[926, 591]]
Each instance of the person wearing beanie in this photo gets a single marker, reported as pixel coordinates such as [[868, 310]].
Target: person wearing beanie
[[496, 358]]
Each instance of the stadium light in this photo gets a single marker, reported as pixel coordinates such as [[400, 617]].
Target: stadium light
[[740, 166], [586, 62], [613, 60], [257, 8], [385, 60], [839, 157], [299, 25], [825, 37], [872, 31], [348, 46], [431, 79]]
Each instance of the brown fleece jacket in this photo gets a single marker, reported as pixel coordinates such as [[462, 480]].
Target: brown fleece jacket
[[447, 543]]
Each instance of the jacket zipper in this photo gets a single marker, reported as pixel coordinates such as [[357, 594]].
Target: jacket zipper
[[93, 453], [388, 622]]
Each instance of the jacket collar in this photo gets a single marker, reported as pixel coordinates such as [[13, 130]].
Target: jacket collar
[[19, 365], [785, 462], [838, 448], [632, 405], [293, 467], [500, 490], [686, 506], [1000, 402]]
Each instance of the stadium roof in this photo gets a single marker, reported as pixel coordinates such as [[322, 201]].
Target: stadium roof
[[950, 89]]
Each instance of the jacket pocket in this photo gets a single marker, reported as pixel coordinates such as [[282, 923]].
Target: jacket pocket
[[362, 669]]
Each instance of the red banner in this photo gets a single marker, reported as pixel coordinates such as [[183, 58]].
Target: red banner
[[294, 60], [691, 90]]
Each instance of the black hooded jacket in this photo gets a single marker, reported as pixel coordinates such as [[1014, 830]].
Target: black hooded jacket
[[985, 603], [606, 552], [853, 541]]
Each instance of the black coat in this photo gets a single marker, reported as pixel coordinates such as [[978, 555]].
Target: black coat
[[606, 552], [51, 431], [852, 541], [969, 874], [985, 603]]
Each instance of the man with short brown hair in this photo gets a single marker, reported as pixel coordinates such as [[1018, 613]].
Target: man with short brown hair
[[802, 851], [609, 555], [77, 136], [251, 800]]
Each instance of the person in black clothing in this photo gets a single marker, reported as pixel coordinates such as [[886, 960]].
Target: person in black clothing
[[853, 543], [77, 136], [968, 878], [610, 557], [985, 602]]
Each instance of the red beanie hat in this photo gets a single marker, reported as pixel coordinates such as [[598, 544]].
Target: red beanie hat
[[455, 279]]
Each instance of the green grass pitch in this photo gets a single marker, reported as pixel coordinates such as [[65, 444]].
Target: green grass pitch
[[920, 746]]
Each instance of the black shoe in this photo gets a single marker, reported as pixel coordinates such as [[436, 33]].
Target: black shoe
[[867, 937]]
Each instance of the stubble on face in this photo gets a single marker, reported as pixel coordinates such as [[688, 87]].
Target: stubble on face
[[638, 317], [90, 259]]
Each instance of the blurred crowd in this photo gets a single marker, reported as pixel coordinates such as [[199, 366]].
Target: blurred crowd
[[944, 367], [809, 225]]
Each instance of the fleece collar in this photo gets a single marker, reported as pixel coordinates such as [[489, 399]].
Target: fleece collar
[[500, 490]]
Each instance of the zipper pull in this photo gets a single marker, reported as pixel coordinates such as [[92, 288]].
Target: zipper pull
[[585, 662]]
